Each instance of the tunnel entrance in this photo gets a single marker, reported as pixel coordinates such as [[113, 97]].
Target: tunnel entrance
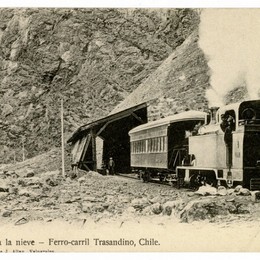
[[105, 138]]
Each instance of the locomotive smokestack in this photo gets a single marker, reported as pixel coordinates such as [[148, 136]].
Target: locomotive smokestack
[[213, 112]]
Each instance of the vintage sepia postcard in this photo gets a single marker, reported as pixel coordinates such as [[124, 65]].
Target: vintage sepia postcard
[[129, 130]]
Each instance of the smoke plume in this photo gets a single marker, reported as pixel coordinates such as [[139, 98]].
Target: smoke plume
[[230, 38]]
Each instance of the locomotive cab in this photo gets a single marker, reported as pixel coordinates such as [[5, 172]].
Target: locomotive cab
[[231, 148]]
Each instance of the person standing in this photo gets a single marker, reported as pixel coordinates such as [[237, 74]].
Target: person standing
[[111, 166]]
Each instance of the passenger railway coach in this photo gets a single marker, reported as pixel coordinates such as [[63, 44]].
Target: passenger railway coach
[[158, 147], [225, 151]]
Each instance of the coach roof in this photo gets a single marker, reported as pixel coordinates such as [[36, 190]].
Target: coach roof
[[184, 116]]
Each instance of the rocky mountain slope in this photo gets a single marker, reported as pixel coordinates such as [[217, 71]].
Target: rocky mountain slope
[[91, 58]]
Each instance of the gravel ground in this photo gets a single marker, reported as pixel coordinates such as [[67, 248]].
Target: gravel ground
[[31, 194]]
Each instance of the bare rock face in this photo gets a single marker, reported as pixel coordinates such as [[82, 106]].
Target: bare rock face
[[92, 58]]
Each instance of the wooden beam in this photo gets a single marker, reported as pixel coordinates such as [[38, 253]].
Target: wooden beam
[[85, 148], [138, 118], [102, 128]]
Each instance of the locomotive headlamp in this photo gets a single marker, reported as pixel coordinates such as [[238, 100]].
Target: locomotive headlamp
[[229, 179]]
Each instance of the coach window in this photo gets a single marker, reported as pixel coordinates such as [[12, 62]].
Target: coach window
[[165, 144], [149, 145]]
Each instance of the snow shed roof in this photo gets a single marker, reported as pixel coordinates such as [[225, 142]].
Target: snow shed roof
[[184, 116], [102, 121]]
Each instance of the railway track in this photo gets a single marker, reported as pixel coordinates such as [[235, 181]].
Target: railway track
[[134, 176]]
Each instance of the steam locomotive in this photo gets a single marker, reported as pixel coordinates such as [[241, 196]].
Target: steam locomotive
[[193, 148]]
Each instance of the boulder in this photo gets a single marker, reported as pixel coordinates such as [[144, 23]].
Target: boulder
[[29, 174], [238, 188], [206, 190], [168, 207], [244, 192], [157, 208], [52, 182], [4, 188], [7, 110], [255, 196], [190, 194], [222, 191], [203, 209], [105, 205], [99, 208], [25, 172], [26, 193], [147, 211], [3, 196], [140, 203], [242, 208], [30, 181], [7, 213], [155, 199], [13, 190], [81, 180], [87, 207], [230, 191], [130, 210]]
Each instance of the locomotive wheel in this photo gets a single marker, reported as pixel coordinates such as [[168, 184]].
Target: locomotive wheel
[[180, 183], [195, 182], [146, 176], [211, 180]]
